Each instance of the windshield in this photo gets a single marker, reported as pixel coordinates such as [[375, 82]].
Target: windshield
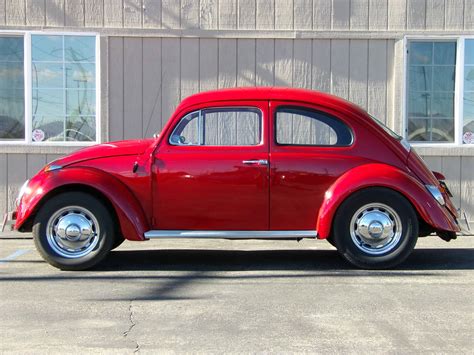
[[386, 129]]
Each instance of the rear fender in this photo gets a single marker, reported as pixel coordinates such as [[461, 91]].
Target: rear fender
[[382, 175], [131, 218]]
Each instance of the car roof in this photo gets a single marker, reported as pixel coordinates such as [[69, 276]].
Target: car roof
[[269, 93]]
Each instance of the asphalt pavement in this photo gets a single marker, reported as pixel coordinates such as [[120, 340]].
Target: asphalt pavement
[[220, 296]]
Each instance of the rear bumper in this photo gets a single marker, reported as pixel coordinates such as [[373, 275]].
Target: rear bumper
[[8, 222], [464, 223]]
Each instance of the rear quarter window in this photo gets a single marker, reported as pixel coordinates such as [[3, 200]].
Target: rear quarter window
[[301, 126]]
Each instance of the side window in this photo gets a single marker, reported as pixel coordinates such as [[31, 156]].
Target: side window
[[219, 127], [298, 126]]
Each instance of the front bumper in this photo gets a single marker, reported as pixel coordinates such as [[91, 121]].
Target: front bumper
[[9, 220]]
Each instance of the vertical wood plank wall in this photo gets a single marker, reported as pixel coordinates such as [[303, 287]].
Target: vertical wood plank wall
[[377, 15], [148, 76]]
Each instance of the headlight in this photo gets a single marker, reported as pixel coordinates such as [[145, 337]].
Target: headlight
[[434, 191], [23, 190]]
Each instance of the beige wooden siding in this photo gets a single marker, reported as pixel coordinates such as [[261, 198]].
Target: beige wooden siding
[[149, 77], [377, 15], [14, 170]]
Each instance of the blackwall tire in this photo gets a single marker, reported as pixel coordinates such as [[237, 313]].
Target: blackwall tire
[[73, 231], [375, 228], [117, 242]]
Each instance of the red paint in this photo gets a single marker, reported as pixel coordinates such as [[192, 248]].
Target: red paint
[[209, 188]]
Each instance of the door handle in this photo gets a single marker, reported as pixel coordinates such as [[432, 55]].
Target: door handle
[[255, 162]]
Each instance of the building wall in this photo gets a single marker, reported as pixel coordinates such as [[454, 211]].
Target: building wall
[[340, 15], [156, 52]]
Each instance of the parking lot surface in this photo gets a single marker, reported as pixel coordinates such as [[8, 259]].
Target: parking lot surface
[[215, 296]]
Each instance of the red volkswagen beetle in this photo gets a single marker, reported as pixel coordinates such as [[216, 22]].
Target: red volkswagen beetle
[[266, 163]]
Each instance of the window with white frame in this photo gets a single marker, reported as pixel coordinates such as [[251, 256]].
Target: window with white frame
[[440, 91], [48, 88]]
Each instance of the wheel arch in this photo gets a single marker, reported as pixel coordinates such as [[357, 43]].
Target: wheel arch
[[118, 199], [431, 215]]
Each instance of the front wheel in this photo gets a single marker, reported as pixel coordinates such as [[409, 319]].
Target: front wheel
[[375, 228], [73, 231]]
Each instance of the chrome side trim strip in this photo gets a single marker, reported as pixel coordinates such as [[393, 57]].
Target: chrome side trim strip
[[230, 234]]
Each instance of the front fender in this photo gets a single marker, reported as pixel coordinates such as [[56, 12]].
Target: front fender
[[133, 223], [382, 175]]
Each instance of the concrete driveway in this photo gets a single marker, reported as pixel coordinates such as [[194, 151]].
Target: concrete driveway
[[237, 297]]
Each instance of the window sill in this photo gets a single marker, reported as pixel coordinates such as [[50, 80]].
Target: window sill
[[446, 150], [21, 148]]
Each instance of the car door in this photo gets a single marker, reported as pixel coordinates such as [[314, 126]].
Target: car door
[[310, 149], [211, 171]]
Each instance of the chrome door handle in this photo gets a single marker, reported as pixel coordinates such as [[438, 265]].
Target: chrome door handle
[[256, 162]]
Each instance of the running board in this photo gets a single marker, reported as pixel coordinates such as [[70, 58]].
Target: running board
[[231, 234]]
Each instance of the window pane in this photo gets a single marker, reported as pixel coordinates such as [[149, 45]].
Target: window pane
[[48, 102], [419, 104], [419, 130], [420, 78], [12, 113], [79, 75], [442, 105], [469, 78], [11, 75], [187, 131], [468, 99], [48, 128], [430, 93], [64, 88], [421, 53], [47, 75], [11, 49], [231, 127], [47, 48], [442, 130], [12, 100], [296, 126], [80, 128], [443, 78], [80, 102], [469, 51], [219, 127], [79, 49], [445, 53], [468, 127]]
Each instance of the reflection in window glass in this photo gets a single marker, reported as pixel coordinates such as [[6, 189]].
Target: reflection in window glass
[[295, 126], [219, 127], [468, 98], [431, 85], [63, 88], [12, 100]]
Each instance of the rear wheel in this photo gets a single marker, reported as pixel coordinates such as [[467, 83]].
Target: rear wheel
[[375, 228], [73, 231]]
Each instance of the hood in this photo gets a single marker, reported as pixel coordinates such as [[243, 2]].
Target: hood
[[111, 149]]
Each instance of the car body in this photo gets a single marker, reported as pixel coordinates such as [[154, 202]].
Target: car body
[[270, 163]]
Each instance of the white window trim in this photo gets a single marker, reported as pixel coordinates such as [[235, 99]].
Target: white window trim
[[28, 89], [458, 91]]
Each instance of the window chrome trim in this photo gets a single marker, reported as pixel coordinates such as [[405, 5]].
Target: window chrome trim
[[201, 134], [231, 234]]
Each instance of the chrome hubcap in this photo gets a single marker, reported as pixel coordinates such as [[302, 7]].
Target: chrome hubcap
[[73, 232], [376, 228]]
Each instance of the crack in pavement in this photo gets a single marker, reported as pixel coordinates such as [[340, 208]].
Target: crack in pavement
[[132, 325]]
